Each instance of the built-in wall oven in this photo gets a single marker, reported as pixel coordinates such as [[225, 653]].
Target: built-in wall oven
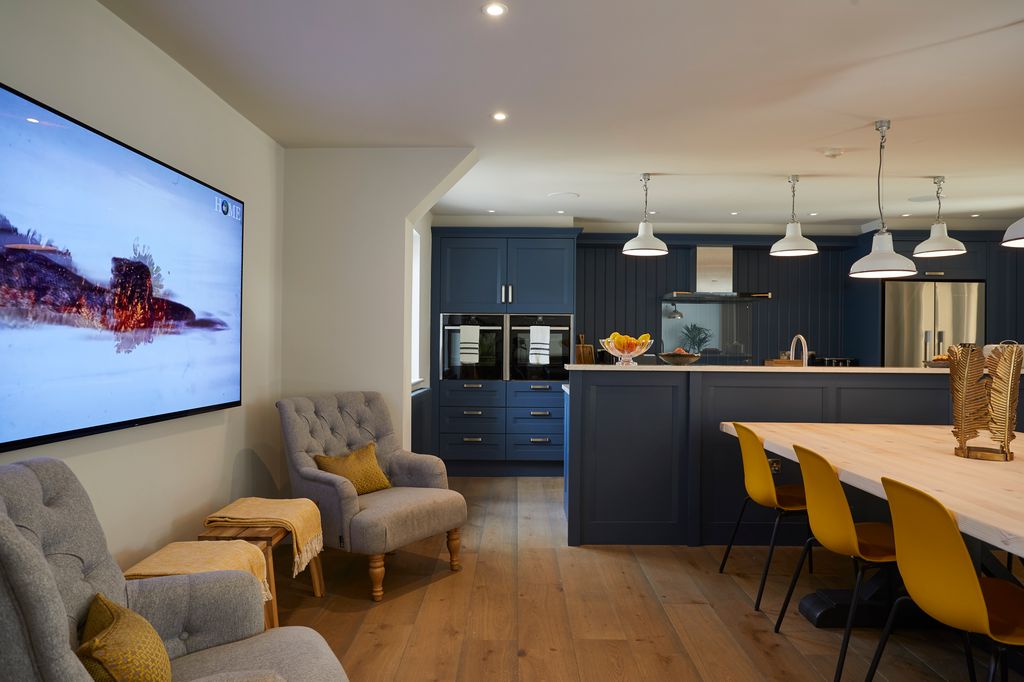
[[506, 347]]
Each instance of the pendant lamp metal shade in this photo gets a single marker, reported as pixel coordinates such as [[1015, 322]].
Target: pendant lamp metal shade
[[883, 261], [645, 243], [794, 243], [939, 244], [1014, 236]]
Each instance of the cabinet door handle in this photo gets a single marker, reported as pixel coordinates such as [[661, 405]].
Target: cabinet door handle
[[540, 414], [540, 440], [472, 440], [540, 387], [472, 413], [509, 293], [502, 293], [472, 385]]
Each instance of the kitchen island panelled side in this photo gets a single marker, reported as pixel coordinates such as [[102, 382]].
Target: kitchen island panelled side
[[648, 463]]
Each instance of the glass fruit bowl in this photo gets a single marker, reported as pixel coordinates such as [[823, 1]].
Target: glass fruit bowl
[[626, 356]]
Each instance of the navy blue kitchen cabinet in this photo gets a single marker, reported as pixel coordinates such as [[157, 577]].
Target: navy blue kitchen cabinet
[[514, 275], [473, 275]]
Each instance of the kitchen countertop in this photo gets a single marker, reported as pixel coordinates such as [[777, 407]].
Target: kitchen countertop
[[757, 368]]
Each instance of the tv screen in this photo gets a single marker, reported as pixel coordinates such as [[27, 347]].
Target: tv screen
[[120, 283]]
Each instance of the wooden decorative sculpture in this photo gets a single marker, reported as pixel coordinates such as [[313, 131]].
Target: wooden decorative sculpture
[[983, 401]]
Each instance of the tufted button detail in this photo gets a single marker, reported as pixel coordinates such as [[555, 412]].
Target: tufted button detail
[[183, 636]]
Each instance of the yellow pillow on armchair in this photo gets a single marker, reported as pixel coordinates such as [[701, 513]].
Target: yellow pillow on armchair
[[119, 645], [359, 466]]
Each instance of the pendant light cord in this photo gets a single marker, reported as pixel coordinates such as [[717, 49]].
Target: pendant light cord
[[644, 178], [792, 191], [881, 158]]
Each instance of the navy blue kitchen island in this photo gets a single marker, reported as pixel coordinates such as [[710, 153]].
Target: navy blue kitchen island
[[648, 464]]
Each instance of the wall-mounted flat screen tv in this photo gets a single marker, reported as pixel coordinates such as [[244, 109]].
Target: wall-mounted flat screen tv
[[120, 283]]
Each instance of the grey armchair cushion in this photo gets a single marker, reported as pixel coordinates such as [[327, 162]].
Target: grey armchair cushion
[[199, 611], [296, 654], [334, 424]]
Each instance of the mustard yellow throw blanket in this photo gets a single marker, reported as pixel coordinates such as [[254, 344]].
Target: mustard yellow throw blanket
[[300, 516], [180, 558]]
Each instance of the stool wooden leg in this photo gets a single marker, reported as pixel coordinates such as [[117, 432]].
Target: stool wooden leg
[[316, 574], [454, 545], [377, 576], [270, 607]]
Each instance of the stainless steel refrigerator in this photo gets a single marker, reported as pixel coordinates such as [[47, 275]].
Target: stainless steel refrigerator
[[923, 319]]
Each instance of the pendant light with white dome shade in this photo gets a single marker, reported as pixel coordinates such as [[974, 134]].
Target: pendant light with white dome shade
[[882, 262], [794, 243], [1014, 236], [645, 243], [939, 244]]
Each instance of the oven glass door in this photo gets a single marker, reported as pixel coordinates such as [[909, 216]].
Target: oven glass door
[[545, 358], [481, 355]]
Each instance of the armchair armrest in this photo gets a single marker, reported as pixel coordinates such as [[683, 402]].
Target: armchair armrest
[[412, 470], [201, 610], [335, 496]]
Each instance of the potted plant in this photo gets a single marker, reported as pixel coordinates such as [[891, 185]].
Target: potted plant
[[695, 337]]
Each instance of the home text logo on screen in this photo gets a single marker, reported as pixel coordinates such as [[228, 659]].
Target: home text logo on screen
[[232, 209]]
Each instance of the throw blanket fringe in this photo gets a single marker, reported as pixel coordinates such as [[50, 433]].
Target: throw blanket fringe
[[300, 516]]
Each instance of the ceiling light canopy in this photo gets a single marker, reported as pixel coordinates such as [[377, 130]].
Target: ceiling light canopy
[[882, 262], [645, 243], [939, 243], [794, 243], [495, 9]]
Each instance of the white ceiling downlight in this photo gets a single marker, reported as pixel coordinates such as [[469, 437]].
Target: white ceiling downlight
[[499, 116], [495, 9]]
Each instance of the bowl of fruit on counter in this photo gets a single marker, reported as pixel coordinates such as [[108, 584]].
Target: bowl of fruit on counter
[[625, 347], [679, 356]]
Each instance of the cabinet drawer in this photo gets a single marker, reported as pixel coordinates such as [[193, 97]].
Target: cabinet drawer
[[473, 393], [472, 446], [543, 420], [534, 394], [535, 446], [472, 419]]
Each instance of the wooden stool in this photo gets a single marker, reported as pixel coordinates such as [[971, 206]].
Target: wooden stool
[[266, 538]]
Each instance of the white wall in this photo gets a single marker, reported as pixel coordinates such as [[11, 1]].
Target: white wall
[[424, 226], [347, 266], [154, 484]]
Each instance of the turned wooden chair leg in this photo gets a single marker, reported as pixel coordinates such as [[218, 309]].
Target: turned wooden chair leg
[[454, 544], [377, 576], [316, 575]]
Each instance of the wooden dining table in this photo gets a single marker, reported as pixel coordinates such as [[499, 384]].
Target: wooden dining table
[[986, 497]]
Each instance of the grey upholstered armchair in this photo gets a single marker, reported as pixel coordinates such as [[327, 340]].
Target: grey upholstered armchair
[[53, 561], [418, 506]]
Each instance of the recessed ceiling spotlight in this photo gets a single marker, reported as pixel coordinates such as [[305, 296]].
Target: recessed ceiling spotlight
[[559, 212], [975, 215], [563, 195], [653, 212], [904, 215], [32, 120], [491, 210], [734, 213], [812, 214], [499, 116], [495, 9]]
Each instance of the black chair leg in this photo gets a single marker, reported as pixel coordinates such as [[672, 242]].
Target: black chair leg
[[886, 631], [969, 653], [849, 621], [732, 539], [993, 665], [806, 554], [768, 560], [1004, 665]]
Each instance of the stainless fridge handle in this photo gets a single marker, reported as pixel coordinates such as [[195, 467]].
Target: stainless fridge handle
[[940, 337], [927, 345]]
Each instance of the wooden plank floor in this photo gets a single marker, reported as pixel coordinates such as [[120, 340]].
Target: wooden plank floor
[[528, 607]]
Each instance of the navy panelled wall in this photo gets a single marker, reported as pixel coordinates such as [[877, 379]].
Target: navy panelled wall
[[623, 293]]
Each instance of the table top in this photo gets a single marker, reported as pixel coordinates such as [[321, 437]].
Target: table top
[[987, 497]]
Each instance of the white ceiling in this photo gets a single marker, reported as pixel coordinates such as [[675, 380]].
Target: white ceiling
[[720, 100]]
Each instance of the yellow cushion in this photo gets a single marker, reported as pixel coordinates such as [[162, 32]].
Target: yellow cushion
[[119, 645], [359, 466]]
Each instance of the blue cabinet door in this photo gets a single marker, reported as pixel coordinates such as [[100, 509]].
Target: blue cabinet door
[[541, 275], [473, 274]]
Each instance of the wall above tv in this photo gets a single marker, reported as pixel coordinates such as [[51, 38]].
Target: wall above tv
[[120, 283]]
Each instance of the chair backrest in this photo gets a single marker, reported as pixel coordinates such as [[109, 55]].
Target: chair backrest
[[827, 506], [53, 561], [757, 473], [933, 559], [335, 424]]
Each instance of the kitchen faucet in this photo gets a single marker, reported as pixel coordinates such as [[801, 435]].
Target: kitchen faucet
[[792, 348]]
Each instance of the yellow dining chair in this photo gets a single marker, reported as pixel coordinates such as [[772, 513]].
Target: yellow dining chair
[[869, 544], [760, 486], [940, 578]]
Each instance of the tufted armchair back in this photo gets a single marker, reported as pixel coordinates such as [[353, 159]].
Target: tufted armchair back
[[335, 424], [53, 560]]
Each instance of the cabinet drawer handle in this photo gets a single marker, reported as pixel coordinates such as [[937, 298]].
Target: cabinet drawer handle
[[540, 440], [472, 440], [540, 387], [472, 413], [472, 385], [540, 414]]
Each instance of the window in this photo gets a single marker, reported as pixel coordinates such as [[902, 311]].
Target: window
[[414, 327]]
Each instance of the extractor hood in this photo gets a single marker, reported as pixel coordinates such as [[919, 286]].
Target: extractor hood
[[714, 280]]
